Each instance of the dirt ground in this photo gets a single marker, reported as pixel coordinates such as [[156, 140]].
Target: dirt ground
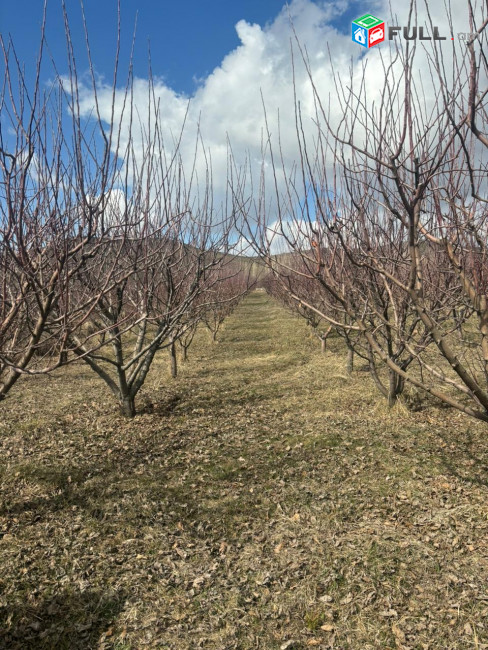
[[263, 499]]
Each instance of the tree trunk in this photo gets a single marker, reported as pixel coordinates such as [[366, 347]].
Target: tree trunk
[[484, 339], [392, 395], [350, 360], [185, 353], [374, 374], [127, 406], [323, 345], [396, 387], [173, 360]]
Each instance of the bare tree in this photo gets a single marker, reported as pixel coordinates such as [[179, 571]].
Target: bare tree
[[149, 310], [390, 236], [173, 240], [56, 173], [230, 283], [417, 169]]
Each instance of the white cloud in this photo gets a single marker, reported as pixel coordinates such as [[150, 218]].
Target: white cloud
[[228, 104]]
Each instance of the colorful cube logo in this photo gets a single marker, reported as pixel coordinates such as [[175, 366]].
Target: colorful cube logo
[[368, 30]]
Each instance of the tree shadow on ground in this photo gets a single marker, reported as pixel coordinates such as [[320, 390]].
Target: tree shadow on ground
[[464, 458], [66, 621]]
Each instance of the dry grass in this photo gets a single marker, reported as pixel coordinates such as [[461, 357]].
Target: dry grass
[[264, 499]]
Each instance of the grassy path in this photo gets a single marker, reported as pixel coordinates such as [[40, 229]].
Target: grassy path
[[263, 499]]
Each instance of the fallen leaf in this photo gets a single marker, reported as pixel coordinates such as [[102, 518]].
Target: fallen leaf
[[327, 627], [399, 635], [326, 599]]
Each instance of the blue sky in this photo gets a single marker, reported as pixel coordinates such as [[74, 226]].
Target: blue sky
[[222, 54], [188, 38], [227, 56]]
